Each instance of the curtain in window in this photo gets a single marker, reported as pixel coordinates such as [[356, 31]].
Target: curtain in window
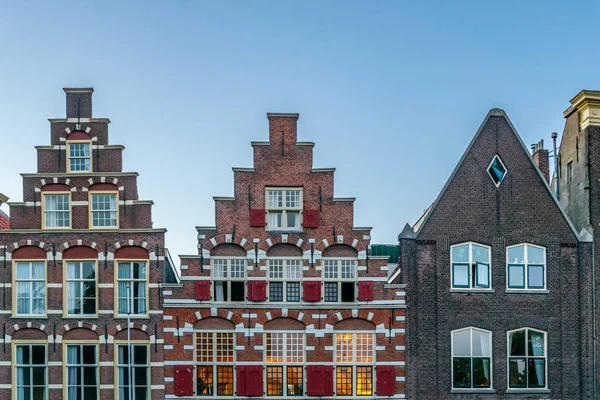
[[274, 219], [536, 341], [141, 298], [72, 359], [219, 291], [123, 299]]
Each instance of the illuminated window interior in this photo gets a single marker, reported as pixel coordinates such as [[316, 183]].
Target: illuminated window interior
[[284, 356], [214, 358], [354, 359]]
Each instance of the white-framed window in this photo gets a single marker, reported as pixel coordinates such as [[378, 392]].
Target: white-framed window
[[31, 371], [229, 279], [526, 267], [339, 276], [81, 288], [354, 359], [470, 266], [215, 360], [284, 359], [30, 280], [140, 371], [527, 367], [471, 358], [79, 156], [133, 299], [57, 210], [82, 371], [285, 276], [284, 208], [104, 210]]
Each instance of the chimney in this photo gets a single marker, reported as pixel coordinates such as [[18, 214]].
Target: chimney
[[283, 126], [540, 156], [79, 102]]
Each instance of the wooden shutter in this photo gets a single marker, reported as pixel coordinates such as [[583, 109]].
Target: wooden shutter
[[203, 290], [312, 290], [328, 380], [365, 291], [314, 380], [249, 380], [386, 380], [184, 380], [257, 290], [311, 218], [257, 217]]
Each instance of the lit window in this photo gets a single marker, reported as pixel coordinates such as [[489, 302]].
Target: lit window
[[471, 358], [81, 287], [497, 170], [31, 287], [229, 279], [140, 371], [82, 372], [527, 358], [79, 156], [284, 280], [340, 280], [57, 211], [214, 363], [31, 371], [526, 265], [132, 282], [104, 210], [284, 208], [354, 359], [470, 266], [284, 356]]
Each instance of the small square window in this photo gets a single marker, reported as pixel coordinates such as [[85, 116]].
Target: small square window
[[497, 170]]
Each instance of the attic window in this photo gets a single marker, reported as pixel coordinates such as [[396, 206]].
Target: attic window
[[497, 170]]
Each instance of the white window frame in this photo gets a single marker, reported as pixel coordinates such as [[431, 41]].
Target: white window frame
[[285, 279], [131, 280], [503, 166], [354, 363], [92, 210], [69, 157], [470, 263], [471, 357], [46, 212], [80, 388], [118, 366], [284, 209], [82, 282], [526, 357], [16, 281], [526, 265], [228, 279], [30, 344], [213, 363], [339, 279], [286, 361]]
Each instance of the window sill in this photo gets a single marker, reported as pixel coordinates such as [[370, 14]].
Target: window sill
[[90, 316], [29, 316], [469, 391], [528, 291], [469, 291], [528, 391], [283, 230], [132, 316]]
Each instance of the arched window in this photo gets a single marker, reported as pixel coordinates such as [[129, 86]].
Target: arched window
[[215, 357], [284, 262], [526, 267], [471, 358], [81, 266], [340, 273], [470, 266], [527, 367], [285, 359]]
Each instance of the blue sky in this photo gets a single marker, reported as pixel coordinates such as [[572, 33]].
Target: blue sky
[[390, 91]]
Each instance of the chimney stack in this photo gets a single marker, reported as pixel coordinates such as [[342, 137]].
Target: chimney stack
[[541, 158], [283, 125], [79, 102]]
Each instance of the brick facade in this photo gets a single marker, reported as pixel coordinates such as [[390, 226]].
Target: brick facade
[[317, 231]]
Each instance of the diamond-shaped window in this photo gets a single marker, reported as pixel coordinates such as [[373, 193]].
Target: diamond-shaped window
[[497, 170]]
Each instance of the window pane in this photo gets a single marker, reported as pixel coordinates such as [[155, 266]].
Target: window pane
[[331, 292], [275, 381], [38, 355], [348, 269], [481, 343], [294, 269], [294, 381], [238, 268], [481, 372], [224, 347], [535, 344], [275, 219], [204, 382], [516, 343], [516, 276], [276, 269], [343, 348], [462, 372], [274, 352], [516, 255], [293, 291], [348, 295], [294, 347], [275, 199], [483, 276], [276, 291], [480, 254], [461, 343], [292, 199], [343, 381], [460, 254], [238, 291], [537, 373], [292, 219], [224, 380], [220, 268], [460, 275], [364, 381], [330, 269], [535, 255], [536, 276], [364, 348]]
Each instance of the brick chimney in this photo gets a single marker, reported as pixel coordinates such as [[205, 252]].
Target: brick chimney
[[541, 158], [79, 102], [283, 123]]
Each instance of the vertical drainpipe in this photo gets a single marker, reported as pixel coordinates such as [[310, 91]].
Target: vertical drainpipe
[[554, 136]]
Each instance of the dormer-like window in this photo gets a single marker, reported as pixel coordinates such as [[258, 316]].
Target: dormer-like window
[[79, 156], [284, 208]]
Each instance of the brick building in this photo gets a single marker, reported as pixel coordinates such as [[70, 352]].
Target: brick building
[[498, 282], [283, 299], [80, 254]]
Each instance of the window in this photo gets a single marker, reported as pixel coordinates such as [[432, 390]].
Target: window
[[471, 358], [340, 280], [104, 211], [214, 363], [30, 365], [497, 170], [57, 210], [284, 280], [470, 266], [30, 279], [138, 363], [82, 371], [526, 265], [229, 279], [527, 358], [284, 357], [284, 207], [354, 359], [132, 283], [570, 171], [79, 156], [81, 288]]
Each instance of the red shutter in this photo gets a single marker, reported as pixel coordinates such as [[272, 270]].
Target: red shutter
[[312, 290], [257, 217], [328, 380], [311, 218], [319, 380], [249, 380], [386, 380], [257, 290], [184, 381], [365, 291], [203, 290]]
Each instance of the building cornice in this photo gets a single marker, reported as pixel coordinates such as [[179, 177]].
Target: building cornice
[[587, 103], [78, 121], [344, 199], [323, 170], [70, 231], [75, 175]]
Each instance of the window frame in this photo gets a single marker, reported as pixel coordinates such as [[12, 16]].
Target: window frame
[[228, 279], [526, 357], [285, 280], [284, 209], [354, 364], [285, 363], [65, 365], [526, 265], [21, 342], [66, 287], [116, 366], [470, 264], [91, 194], [70, 212], [214, 365], [116, 287], [497, 156], [339, 280], [68, 144], [15, 293], [471, 357]]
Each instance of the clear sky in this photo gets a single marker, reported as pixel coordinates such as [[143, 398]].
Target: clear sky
[[390, 91]]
